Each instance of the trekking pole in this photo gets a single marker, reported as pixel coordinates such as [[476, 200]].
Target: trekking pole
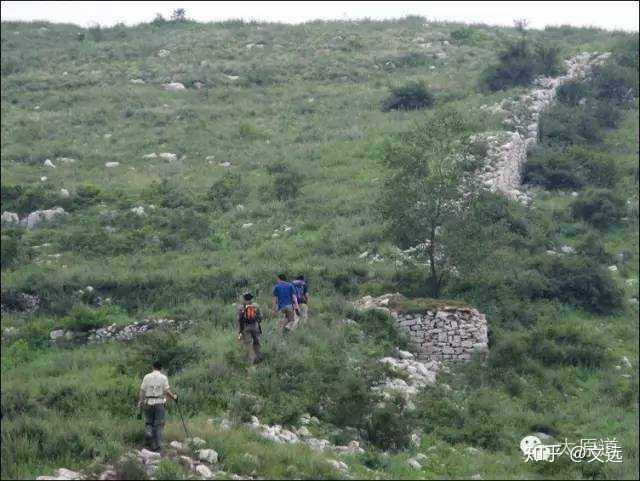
[[184, 425]]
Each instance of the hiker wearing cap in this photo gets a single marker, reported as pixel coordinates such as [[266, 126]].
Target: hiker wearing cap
[[249, 329], [302, 295], [285, 301], [154, 388]]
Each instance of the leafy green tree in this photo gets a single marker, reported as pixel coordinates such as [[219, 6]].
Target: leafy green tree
[[428, 187]]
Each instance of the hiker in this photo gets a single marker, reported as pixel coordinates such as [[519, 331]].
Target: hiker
[[153, 389], [302, 295], [249, 329], [285, 301]]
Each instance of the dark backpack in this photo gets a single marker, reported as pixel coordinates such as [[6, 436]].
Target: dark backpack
[[299, 286]]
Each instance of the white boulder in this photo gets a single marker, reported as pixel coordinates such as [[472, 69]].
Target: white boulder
[[9, 217], [64, 193], [111, 164], [168, 156], [204, 471], [48, 163], [208, 455], [174, 86], [38, 216]]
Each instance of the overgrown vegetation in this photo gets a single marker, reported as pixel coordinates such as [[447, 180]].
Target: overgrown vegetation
[[295, 110]]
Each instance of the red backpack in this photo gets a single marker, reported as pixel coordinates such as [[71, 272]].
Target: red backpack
[[250, 314]]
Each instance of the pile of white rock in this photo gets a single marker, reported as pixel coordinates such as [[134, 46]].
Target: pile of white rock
[[279, 434], [119, 333], [193, 455], [34, 218]]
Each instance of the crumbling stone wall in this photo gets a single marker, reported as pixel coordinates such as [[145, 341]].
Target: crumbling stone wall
[[439, 332], [446, 334]]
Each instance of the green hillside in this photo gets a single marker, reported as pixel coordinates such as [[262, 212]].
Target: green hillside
[[283, 151]]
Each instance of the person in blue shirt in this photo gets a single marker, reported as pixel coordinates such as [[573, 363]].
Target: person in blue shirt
[[285, 301]]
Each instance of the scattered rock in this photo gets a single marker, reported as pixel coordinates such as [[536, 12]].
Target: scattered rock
[[225, 164], [204, 471], [136, 81], [247, 225], [48, 163], [38, 216], [111, 164], [196, 442], [168, 156], [177, 445], [9, 218], [174, 86], [472, 451], [64, 193], [208, 455], [43, 178], [567, 249], [139, 211], [339, 465], [414, 463], [613, 268], [163, 53], [152, 155], [626, 362]]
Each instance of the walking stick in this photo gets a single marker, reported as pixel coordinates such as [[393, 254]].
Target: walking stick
[[182, 419]]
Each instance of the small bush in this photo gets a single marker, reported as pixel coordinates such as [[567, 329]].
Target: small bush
[[463, 35], [390, 426], [411, 96], [580, 282], [164, 346], [570, 168], [83, 318], [227, 191], [571, 93], [286, 181], [519, 63], [602, 208], [614, 83], [569, 125]]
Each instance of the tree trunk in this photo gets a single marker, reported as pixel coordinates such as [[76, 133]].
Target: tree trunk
[[435, 283]]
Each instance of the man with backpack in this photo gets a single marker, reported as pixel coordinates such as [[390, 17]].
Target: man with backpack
[[285, 301], [249, 329], [153, 389], [302, 295]]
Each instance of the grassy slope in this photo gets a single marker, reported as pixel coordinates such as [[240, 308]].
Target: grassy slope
[[264, 117]]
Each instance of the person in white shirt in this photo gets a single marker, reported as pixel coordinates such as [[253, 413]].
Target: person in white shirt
[[153, 389]]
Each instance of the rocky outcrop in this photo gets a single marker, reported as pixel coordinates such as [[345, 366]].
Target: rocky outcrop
[[38, 216], [9, 217], [437, 331], [117, 333], [281, 435], [507, 151]]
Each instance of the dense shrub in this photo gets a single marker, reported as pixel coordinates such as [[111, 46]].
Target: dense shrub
[[164, 346], [390, 426], [463, 35], [411, 96], [615, 83], [571, 93], [519, 63], [227, 190], [286, 181], [578, 281], [569, 125], [601, 208], [570, 168], [84, 318], [562, 345]]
